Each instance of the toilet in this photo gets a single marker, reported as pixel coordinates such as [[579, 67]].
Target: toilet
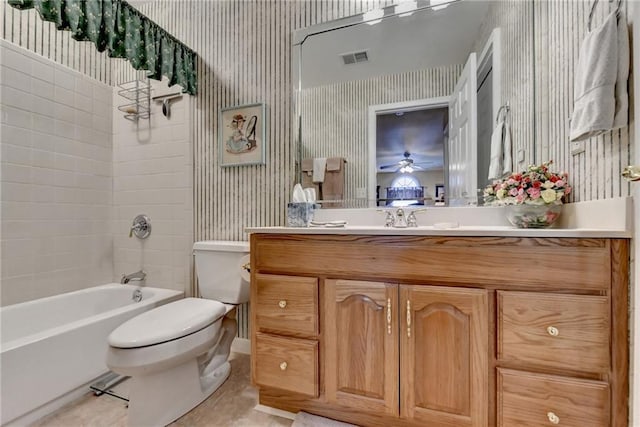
[[177, 354]]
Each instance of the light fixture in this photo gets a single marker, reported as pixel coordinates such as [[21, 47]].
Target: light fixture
[[406, 8], [373, 17], [406, 169], [439, 4]]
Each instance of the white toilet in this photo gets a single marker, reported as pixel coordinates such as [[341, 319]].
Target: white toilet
[[177, 354]]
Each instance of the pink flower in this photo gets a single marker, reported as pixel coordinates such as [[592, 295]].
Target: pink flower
[[560, 183], [534, 193], [513, 192], [551, 216]]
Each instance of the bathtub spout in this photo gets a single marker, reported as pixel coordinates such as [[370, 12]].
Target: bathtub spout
[[138, 275]]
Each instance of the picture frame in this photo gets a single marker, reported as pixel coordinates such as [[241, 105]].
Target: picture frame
[[242, 135], [439, 191]]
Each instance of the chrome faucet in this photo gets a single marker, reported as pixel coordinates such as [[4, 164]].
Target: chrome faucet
[[401, 219], [138, 276]]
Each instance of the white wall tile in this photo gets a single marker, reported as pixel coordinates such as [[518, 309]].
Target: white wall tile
[[64, 78], [15, 173], [13, 78], [43, 89], [16, 135], [15, 117], [56, 189], [44, 125], [17, 98], [151, 176], [16, 60], [64, 96], [42, 70], [20, 155]]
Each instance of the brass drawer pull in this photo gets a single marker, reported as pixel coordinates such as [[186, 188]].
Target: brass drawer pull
[[553, 418], [283, 366], [282, 303], [408, 319], [389, 316], [553, 331]]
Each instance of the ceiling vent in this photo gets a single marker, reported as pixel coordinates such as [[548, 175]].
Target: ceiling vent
[[355, 57]]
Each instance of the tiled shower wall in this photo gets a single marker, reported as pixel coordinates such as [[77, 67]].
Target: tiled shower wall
[[153, 173], [56, 178]]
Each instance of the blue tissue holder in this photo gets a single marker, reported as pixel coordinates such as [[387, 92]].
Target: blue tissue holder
[[300, 214]]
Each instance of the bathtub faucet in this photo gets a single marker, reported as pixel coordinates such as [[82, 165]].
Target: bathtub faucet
[[138, 275]]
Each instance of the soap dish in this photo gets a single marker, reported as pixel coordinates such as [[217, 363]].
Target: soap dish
[[445, 225], [328, 224]]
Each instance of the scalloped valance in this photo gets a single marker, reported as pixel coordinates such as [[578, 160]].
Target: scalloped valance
[[121, 30]]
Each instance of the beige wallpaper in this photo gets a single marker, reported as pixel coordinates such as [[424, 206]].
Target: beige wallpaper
[[595, 174]]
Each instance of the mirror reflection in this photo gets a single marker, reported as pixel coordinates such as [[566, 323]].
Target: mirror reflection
[[410, 102]]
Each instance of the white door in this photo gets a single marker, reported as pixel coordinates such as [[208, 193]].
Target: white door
[[463, 135]]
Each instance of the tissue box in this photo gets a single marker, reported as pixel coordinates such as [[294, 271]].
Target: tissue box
[[299, 214]]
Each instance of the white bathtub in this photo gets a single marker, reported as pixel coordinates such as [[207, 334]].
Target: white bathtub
[[51, 346]]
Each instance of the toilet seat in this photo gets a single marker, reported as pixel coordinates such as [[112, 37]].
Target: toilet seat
[[167, 323]]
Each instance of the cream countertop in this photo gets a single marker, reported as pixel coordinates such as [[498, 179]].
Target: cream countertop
[[610, 218]]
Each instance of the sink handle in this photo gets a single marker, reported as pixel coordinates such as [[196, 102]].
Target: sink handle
[[390, 220]]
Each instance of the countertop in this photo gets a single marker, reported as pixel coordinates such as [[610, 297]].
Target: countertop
[[609, 218], [487, 231]]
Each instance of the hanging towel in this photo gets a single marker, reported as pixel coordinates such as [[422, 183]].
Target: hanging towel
[[319, 167], [621, 118], [507, 159], [497, 144], [597, 92]]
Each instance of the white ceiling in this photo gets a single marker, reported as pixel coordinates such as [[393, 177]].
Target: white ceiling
[[428, 38]]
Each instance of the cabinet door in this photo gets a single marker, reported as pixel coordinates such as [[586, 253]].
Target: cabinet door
[[361, 339], [444, 356]]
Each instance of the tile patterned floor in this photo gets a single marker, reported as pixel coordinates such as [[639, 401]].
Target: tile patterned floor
[[231, 405]]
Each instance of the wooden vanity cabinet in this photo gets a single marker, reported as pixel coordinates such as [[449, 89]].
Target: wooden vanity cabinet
[[442, 331]]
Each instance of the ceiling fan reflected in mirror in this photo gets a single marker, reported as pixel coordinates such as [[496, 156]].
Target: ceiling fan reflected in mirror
[[405, 165]]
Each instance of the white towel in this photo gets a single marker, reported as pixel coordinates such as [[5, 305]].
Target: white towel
[[600, 83], [507, 158], [621, 118], [319, 166], [497, 146]]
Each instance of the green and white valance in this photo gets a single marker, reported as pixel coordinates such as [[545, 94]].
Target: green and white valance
[[121, 30]]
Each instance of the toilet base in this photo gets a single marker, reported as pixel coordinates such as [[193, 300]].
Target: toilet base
[[159, 398]]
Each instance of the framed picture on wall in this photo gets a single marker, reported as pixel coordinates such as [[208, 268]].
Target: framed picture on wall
[[439, 192], [242, 135]]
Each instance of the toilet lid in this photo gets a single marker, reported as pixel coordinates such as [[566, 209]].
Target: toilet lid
[[167, 322]]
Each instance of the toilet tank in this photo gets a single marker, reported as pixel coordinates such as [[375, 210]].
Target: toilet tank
[[219, 270]]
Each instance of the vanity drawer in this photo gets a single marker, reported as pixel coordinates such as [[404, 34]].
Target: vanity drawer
[[287, 363], [286, 304], [554, 330], [534, 400]]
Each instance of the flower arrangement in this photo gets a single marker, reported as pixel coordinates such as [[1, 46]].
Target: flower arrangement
[[535, 186]]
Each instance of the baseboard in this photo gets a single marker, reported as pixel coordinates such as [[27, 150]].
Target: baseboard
[[274, 411], [241, 345]]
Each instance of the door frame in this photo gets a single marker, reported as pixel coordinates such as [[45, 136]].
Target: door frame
[[373, 112]]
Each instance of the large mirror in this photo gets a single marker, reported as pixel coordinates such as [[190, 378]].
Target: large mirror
[[404, 106]]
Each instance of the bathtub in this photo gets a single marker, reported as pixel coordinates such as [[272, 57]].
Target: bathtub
[[51, 346]]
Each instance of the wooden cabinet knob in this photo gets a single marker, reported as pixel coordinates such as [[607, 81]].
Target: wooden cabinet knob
[[282, 304], [553, 331], [553, 418], [283, 366]]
